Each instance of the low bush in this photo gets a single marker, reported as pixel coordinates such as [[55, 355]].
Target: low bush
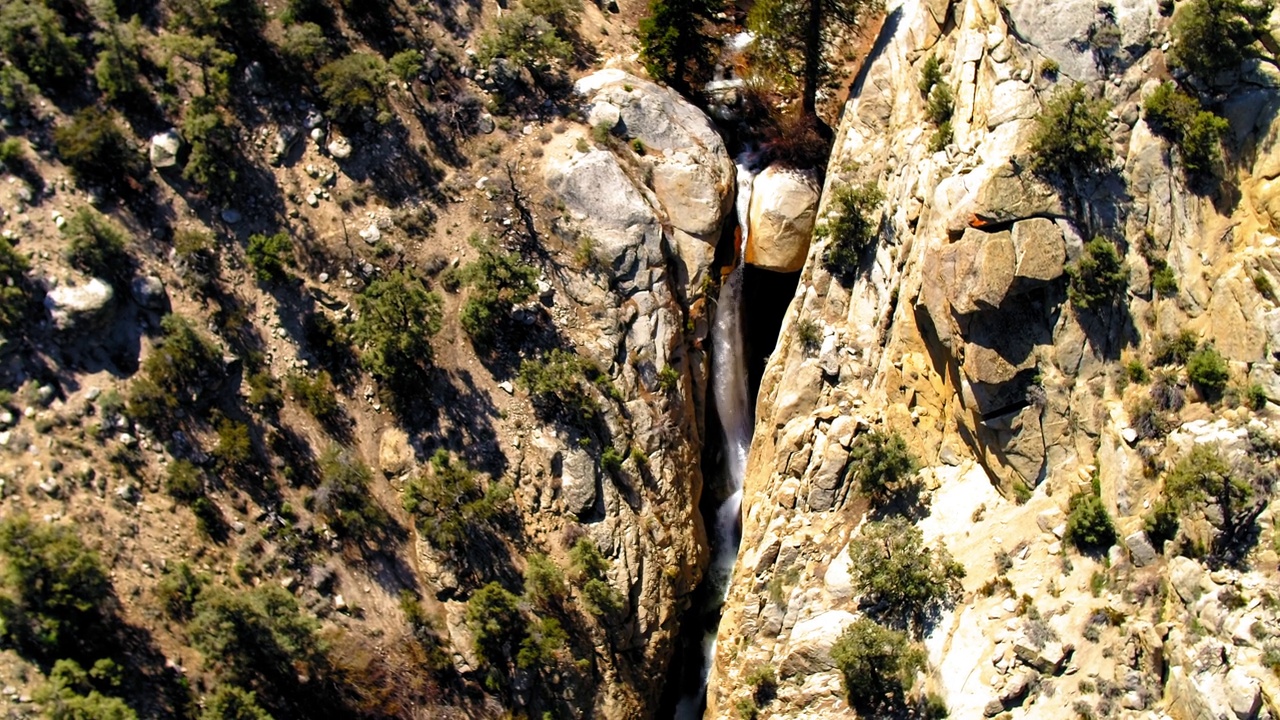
[[178, 590], [54, 588], [669, 379], [354, 86], [560, 385], [1089, 525], [497, 628], [880, 465], [526, 40], [212, 159], [316, 395], [184, 481], [877, 664], [851, 230], [343, 499], [930, 75], [229, 702], [1208, 370], [181, 371], [449, 504], [941, 106], [33, 37], [1071, 135], [1099, 278], [270, 256], [543, 581], [1163, 281], [499, 281], [809, 333], [96, 247], [74, 694], [1179, 118], [897, 572], [1175, 349], [15, 297], [257, 636], [1210, 36], [94, 148], [396, 318]]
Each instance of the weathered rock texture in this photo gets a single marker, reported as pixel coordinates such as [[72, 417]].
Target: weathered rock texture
[[958, 335], [784, 204]]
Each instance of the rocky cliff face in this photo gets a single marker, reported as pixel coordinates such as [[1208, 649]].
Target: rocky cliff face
[[958, 334]]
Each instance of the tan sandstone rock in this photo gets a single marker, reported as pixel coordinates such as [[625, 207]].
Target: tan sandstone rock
[[784, 204]]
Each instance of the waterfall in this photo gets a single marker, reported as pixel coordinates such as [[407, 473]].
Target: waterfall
[[729, 388]]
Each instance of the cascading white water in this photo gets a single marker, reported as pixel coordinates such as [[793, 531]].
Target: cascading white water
[[729, 387]]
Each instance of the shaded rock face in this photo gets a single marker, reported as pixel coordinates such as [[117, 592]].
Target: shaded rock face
[[958, 334], [652, 248], [784, 205]]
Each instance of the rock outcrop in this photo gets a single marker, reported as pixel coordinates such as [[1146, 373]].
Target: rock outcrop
[[959, 335]]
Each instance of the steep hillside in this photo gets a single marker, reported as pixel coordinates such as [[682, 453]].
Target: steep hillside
[[1040, 387]]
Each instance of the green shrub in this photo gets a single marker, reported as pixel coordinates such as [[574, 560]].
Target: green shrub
[[930, 75], [1209, 36], [1208, 370], [543, 639], [1089, 525], [675, 46], [214, 63], [1099, 278], [343, 499], [669, 379], [1255, 397], [611, 460], [316, 395], [178, 590], [1161, 523], [449, 504], [941, 137], [183, 481], [116, 70], [809, 333], [894, 569], [253, 635], [526, 40], [13, 154], [235, 448], [1176, 349], [941, 105], [493, 615], [97, 247], [71, 694], [1202, 474], [264, 391], [558, 384], [34, 39], [1049, 68], [499, 281], [353, 85], [211, 162], [851, 230], [53, 587], [15, 298], [229, 702], [1071, 135], [1263, 285], [1163, 280], [875, 662], [181, 371], [304, 44], [880, 464], [270, 255], [601, 598], [94, 148], [1179, 118], [747, 708], [406, 65], [543, 581], [1136, 372], [396, 318], [585, 561]]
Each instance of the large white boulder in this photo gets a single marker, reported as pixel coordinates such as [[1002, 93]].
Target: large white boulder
[[80, 308], [784, 205]]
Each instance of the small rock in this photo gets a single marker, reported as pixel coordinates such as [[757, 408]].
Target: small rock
[[231, 216], [312, 200], [164, 149], [149, 293], [238, 527], [340, 148], [1141, 551], [339, 602], [371, 234], [507, 387]]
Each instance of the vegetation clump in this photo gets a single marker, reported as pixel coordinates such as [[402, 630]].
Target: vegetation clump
[[1210, 36], [1204, 475], [354, 85], [1207, 369], [901, 576], [96, 247], [560, 383], [180, 372], [1071, 135], [852, 229], [1099, 278], [52, 588], [1179, 118], [397, 317], [880, 464], [499, 281], [270, 256], [256, 636], [675, 46], [15, 298], [343, 498], [878, 664], [448, 502], [1089, 525], [94, 148]]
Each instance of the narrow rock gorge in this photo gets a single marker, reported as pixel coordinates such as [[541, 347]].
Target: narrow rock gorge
[[958, 334]]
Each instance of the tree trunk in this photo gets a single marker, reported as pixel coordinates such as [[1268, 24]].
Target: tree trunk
[[812, 57]]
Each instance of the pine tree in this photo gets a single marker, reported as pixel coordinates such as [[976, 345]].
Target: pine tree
[[674, 44]]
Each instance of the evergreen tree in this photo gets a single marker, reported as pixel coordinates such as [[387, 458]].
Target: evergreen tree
[[786, 53], [674, 45]]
